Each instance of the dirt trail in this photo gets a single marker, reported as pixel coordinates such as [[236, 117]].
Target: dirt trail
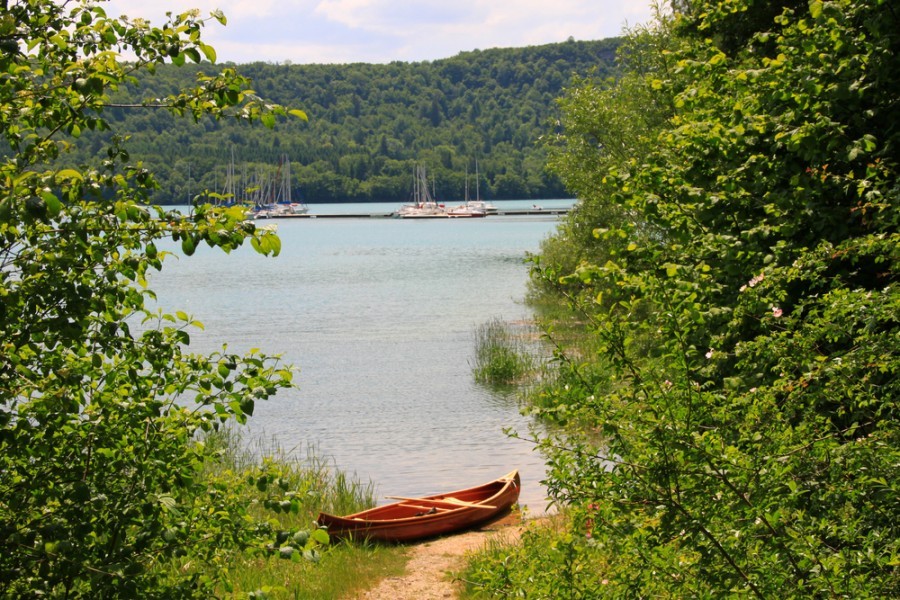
[[426, 576]]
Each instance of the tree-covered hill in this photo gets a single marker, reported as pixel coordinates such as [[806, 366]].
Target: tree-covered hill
[[369, 124]]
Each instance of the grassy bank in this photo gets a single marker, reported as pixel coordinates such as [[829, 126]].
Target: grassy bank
[[287, 489], [343, 570]]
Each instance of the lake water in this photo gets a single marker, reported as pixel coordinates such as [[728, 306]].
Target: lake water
[[379, 315]]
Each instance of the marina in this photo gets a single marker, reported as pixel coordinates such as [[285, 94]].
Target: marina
[[511, 212]]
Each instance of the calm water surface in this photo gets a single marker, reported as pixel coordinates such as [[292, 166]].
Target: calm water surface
[[379, 316]]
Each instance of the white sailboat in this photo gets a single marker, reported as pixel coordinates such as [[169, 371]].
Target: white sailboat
[[275, 201], [473, 208], [423, 206]]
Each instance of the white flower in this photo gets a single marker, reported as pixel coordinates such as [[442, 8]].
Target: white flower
[[710, 353]]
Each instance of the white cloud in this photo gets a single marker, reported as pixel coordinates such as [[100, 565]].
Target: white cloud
[[329, 31], [351, 13]]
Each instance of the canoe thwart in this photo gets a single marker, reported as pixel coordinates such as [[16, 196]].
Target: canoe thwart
[[450, 501]]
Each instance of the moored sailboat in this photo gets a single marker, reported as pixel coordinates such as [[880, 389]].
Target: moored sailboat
[[423, 205], [275, 202], [476, 207]]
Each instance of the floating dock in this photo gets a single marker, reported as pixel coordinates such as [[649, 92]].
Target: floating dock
[[383, 215]]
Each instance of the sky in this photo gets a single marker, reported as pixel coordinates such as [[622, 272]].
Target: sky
[[382, 31]]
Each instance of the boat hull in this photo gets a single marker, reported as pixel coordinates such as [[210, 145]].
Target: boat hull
[[428, 516]]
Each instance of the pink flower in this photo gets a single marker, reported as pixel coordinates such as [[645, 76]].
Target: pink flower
[[756, 279], [777, 312], [710, 353]]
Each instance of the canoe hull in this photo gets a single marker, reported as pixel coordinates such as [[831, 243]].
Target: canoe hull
[[428, 516]]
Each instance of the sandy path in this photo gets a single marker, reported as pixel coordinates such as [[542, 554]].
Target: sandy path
[[426, 576]]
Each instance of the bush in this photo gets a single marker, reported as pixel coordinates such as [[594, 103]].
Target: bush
[[739, 420], [101, 400]]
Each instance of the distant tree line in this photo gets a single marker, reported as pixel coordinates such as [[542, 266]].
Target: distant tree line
[[369, 125]]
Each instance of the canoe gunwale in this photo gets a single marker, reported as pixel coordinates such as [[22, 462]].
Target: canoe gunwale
[[398, 526]]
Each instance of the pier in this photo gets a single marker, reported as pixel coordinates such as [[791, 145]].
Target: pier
[[389, 215]]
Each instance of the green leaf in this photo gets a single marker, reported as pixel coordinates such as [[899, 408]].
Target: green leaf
[[321, 536], [274, 245], [188, 245], [193, 54], [54, 206], [167, 503], [209, 51], [247, 406], [70, 174], [815, 8]]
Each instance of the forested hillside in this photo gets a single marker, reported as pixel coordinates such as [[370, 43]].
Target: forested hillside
[[370, 124]]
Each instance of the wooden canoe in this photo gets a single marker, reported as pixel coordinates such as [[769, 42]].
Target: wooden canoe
[[428, 516]]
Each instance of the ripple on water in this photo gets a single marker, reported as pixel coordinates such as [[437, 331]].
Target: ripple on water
[[379, 315]]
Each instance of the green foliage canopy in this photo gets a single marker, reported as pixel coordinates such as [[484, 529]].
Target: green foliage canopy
[[101, 493], [740, 278]]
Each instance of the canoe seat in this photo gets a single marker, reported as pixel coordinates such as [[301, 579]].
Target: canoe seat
[[426, 510]]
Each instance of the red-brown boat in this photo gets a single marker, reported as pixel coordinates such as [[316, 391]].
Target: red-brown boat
[[417, 518]]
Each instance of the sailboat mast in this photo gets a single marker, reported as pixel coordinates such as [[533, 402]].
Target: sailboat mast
[[477, 183], [467, 184]]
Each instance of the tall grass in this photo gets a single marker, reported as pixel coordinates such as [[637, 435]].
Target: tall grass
[[344, 571], [505, 353], [339, 569], [321, 484]]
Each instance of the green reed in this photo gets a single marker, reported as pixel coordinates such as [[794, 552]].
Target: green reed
[[505, 353]]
